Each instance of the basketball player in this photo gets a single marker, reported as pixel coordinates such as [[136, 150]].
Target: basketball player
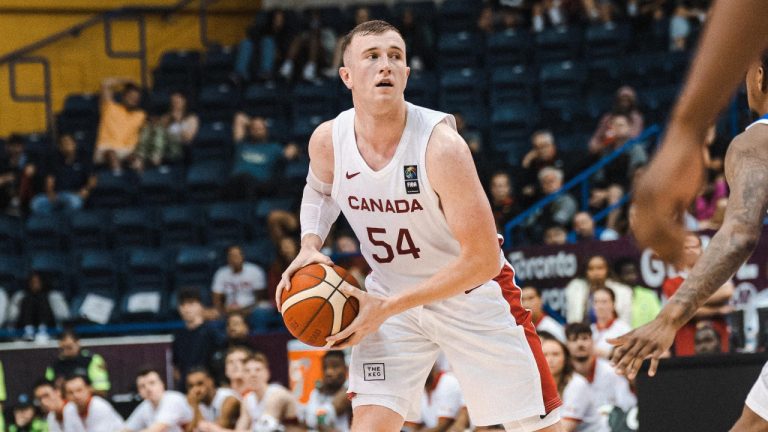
[[406, 183], [734, 36], [746, 169], [85, 411], [162, 410], [211, 404]]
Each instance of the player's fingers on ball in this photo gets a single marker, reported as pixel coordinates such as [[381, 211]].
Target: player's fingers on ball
[[654, 366]]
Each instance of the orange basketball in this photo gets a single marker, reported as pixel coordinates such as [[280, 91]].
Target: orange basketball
[[314, 308]]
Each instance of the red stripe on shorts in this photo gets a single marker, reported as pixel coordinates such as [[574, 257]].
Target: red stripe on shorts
[[513, 294]]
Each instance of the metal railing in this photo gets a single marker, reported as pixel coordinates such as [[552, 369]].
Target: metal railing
[[582, 180]]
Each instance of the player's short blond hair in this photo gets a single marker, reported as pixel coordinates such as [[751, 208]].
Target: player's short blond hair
[[374, 27]]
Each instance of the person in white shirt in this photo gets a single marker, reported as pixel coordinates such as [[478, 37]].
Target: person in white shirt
[[162, 410], [607, 326], [579, 411], [531, 299], [86, 412], [578, 292], [328, 407], [608, 388], [52, 403], [239, 286], [210, 404], [441, 401]]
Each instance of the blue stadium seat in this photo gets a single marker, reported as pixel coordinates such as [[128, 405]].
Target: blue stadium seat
[[458, 50], [511, 126], [227, 223], [97, 270], [296, 171], [159, 100], [11, 234], [45, 233], [605, 40], [260, 161], [561, 80], [38, 146], [313, 99], [655, 38], [146, 268], [558, 44], [507, 48], [113, 191], [177, 69], [511, 84], [573, 143], [181, 225], [217, 102], [194, 266], [143, 304], [423, 11], [302, 127], [213, 141], [134, 227], [55, 267], [12, 273], [658, 101], [261, 251], [87, 306], [204, 181], [265, 100], [462, 89], [647, 70], [89, 229], [422, 89], [267, 205], [333, 16], [161, 185], [81, 112], [458, 15], [218, 65], [605, 75]]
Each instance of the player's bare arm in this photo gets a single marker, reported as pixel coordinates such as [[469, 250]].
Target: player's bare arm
[[452, 175], [746, 169], [710, 84], [321, 166]]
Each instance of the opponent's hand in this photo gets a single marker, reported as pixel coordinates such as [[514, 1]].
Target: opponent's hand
[[306, 256], [661, 196], [374, 310], [651, 340]]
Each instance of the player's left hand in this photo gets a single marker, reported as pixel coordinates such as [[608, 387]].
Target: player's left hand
[[651, 340], [373, 312]]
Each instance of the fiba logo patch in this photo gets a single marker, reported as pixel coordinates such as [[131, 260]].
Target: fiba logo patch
[[373, 372], [411, 176]]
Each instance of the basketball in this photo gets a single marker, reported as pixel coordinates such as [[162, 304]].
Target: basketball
[[315, 308]]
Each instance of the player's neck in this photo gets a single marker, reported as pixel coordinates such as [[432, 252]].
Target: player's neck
[[381, 129]]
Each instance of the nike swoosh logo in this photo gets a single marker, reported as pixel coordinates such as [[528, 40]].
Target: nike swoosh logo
[[349, 176]]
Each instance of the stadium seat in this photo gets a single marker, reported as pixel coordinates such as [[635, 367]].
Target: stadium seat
[[218, 65], [267, 205], [511, 84], [194, 266], [213, 141], [303, 127], [55, 268], [227, 223], [507, 48], [557, 44], [134, 227], [605, 40], [605, 75], [97, 269], [261, 251], [11, 234], [217, 102], [561, 80], [511, 126], [94, 306], [423, 11], [265, 100], [177, 69], [422, 89], [159, 100], [204, 181], [647, 70], [313, 99], [113, 190], [12, 273], [462, 89], [181, 225], [146, 268], [45, 233], [161, 185], [81, 112], [143, 304], [458, 15], [457, 50], [259, 161], [38, 146], [89, 229]]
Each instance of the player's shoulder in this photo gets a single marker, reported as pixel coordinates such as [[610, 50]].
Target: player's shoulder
[[323, 133], [754, 139]]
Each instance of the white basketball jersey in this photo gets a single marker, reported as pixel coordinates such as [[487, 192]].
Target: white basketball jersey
[[213, 411], [255, 406], [394, 211]]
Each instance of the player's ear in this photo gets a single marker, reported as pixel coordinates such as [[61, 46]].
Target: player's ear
[[346, 76], [760, 78]]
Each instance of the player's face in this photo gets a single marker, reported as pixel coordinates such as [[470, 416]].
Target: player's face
[[375, 68], [78, 392], [150, 387], [555, 356], [530, 299], [233, 365], [334, 372], [201, 387], [256, 374], [580, 346], [49, 398], [597, 270], [603, 305]]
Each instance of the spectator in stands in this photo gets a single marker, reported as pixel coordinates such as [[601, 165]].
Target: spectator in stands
[[220, 406], [234, 369], [239, 286], [25, 418], [161, 409], [543, 154], [709, 207], [163, 140], [32, 308], [531, 300], [580, 291], [679, 28], [119, 125], [625, 103], [584, 229], [264, 48], [419, 41], [287, 250], [250, 130], [474, 140], [87, 411], [606, 325], [328, 407], [606, 387], [547, 13], [52, 404], [194, 344], [503, 202], [68, 180], [311, 50], [558, 212], [17, 172], [362, 14], [714, 310], [645, 301], [237, 333], [486, 21], [707, 340], [74, 360], [555, 236], [441, 402], [579, 411], [267, 405], [346, 253]]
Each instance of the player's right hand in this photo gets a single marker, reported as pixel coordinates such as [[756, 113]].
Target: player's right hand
[[307, 255], [651, 340]]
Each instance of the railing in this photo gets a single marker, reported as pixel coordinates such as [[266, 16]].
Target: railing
[[137, 14], [582, 179]]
